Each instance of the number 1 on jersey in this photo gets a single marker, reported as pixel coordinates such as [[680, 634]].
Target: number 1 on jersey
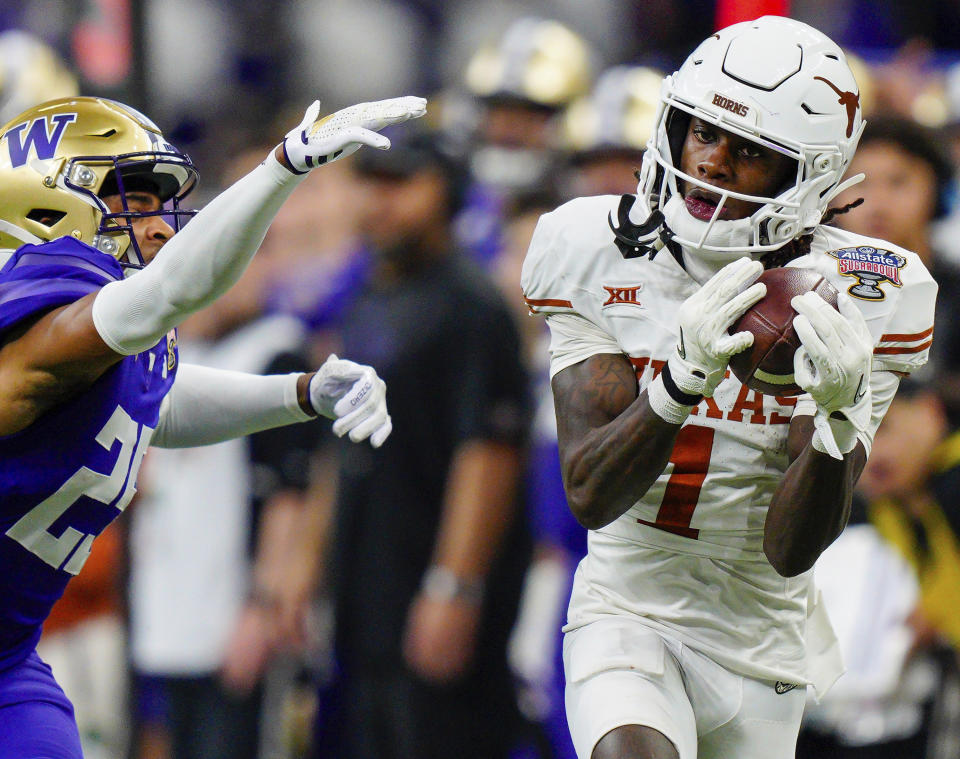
[[690, 459]]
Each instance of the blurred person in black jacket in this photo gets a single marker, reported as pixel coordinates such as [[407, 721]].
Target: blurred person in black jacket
[[428, 545]]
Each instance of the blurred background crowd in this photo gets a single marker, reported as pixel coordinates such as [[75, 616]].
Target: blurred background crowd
[[279, 597]]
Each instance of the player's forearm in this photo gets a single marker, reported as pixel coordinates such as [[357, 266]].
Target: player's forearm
[[810, 508], [208, 406], [614, 466], [197, 266], [613, 445], [479, 506], [291, 557], [308, 555]]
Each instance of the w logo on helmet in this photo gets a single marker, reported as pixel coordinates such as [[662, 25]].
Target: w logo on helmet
[[40, 136]]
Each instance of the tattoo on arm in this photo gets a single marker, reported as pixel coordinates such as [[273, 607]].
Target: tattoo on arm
[[594, 392], [612, 446]]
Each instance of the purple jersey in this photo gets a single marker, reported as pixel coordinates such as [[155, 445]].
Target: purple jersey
[[67, 475], [36, 718]]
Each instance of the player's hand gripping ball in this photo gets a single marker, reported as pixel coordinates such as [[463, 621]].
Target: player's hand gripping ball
[[767, 365]]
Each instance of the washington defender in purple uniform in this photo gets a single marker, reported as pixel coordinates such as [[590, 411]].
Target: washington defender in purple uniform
[[89, 372]]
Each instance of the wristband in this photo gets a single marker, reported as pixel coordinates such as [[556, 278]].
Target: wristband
[[670, 385], [664, 405], [442, 584], [289, 164]]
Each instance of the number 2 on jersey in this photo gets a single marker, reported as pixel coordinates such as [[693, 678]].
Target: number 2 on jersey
[[690, 459], [32, 530]]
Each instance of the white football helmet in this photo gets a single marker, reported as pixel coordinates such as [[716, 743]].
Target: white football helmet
[[781, 84]]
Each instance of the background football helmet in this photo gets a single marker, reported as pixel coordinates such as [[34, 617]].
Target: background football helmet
[[781, 84], [31, 72], [617, 115], [59, 159], [538, 61], [519, 85]]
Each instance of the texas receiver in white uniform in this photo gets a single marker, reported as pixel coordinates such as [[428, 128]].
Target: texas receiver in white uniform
[[678, 620], [730, 454]]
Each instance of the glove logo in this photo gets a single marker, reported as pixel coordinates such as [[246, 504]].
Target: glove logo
[[362, 394], [871, 267], [860, 392], [680, 349]]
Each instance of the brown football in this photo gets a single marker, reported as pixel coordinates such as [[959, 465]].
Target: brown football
[[767, 366]]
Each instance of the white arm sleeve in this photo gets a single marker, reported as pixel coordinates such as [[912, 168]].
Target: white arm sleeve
[[207, 406], [195, 267], [883, 386], [574, 339]]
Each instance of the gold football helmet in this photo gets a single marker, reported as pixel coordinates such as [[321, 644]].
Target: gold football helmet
[[617, 116], [60, 159], [538, 61], [31, 72]]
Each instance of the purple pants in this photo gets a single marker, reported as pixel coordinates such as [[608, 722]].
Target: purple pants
[[36, 718]]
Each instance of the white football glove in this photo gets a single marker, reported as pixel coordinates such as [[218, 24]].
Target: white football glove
[[701, 357], [355, 397], [833, 365], [317, 141]]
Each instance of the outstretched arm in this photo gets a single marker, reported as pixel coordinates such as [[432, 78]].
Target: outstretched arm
[[200, 263], [48, 360], [207, 405]]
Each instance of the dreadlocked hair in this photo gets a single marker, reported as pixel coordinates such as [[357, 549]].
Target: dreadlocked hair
[[801, 245]]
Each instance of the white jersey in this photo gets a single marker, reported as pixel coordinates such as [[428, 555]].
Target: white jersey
[[711, 499]]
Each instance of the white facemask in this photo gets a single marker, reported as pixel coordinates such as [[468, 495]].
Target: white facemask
[[700, 264], [722, 233]]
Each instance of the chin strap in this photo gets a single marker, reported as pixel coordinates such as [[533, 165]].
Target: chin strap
[[635, 240]]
